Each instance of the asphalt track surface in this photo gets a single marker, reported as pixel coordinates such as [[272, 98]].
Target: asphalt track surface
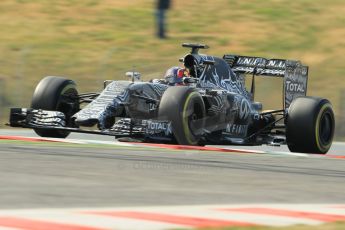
[[52, 175]]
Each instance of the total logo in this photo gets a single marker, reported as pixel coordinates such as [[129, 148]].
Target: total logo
[[294, 87], [157, 125], [153, 127]]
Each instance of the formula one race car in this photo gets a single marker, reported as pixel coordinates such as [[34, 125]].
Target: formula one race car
[[205, 102]]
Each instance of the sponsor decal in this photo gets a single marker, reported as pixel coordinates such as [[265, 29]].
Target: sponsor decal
[[261, 62], [157, 126], [236, 129], [276, 64], [153, 127], [295, 81], [244, 110], [259, 71], [257, 65], [250, 61], [294, 87], [152, 106]]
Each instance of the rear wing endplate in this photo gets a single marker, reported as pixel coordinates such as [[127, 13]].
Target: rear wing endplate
[[295, 74]]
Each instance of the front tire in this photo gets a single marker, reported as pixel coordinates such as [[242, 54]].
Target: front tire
[[185, 108], [310, 125], [55, 94]]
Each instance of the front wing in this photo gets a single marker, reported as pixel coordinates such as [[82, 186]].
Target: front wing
[[147, 129]]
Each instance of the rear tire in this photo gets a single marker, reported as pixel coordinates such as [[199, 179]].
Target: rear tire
[[310, 125], [185, 108], [50, 94]]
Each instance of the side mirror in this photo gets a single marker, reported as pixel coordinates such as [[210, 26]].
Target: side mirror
[[133, 75]]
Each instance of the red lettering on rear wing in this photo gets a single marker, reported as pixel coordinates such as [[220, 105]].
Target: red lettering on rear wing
[[295, 74]]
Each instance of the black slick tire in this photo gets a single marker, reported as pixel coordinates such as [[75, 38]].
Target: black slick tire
[[50, 94], [310, 125], [185, 108]]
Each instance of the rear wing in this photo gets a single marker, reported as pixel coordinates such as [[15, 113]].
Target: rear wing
[[295, 74]]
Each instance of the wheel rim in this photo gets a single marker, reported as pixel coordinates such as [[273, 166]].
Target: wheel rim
[[195, 119], [326, 128]]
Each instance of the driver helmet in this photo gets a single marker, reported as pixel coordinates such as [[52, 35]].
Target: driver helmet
[[175, 75]]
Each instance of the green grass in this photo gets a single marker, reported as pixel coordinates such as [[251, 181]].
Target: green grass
[[328, 226], [93, 40]]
